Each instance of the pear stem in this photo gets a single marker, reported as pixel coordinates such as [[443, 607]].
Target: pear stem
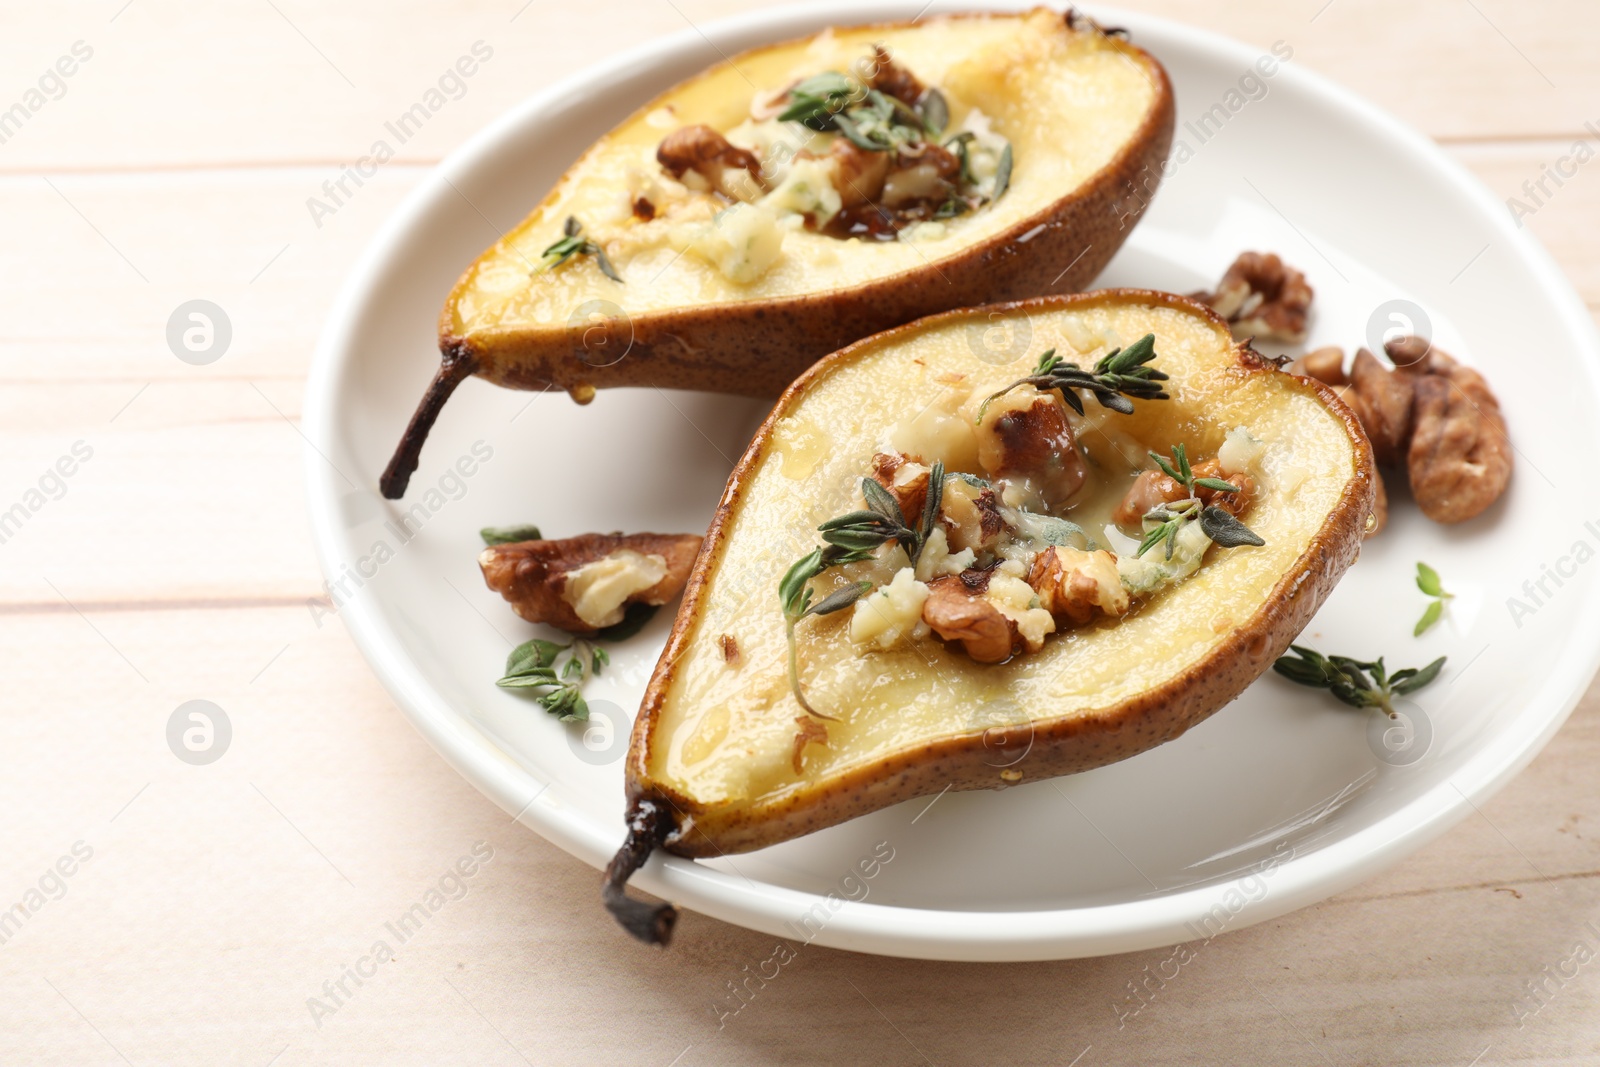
[[648, 826], [456, 365]]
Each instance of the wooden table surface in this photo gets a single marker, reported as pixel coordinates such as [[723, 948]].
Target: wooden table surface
[[205, 905]]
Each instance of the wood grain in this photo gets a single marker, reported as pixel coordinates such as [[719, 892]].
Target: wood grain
[[177, 563]]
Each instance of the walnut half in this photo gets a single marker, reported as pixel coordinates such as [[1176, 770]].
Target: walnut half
[[1074, 585], [1437, 419], [706, 152], [583, 584], [1459, 459], [956, 610], [1262, 296]]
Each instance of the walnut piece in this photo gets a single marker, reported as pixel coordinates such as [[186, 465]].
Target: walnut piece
[[1413, 353], [1384, 406], [1153, 487], [533, 575], [929, 177], [1438, 419], [858, 173], [1459, 459], [1326, 365], [891, 79], [706, 152], [1261, 296], [956, 610], [970, 516], [906, 480], [1026, 433], [1074, 585]]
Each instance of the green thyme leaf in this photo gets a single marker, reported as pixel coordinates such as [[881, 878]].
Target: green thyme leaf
[[1415, 680], [1128, 360], [1216, 483], [881, 502], [1430, 615], [959, 145], [852, 133], [572, 244], [508, 535], [1226, 530], [1002, 174], [1167, 468], [532, 655], [793, 590], [1428, 580], [1115, 378], [840, 598], [935, 112], [634, 618], [930, 506], [1347, 679]]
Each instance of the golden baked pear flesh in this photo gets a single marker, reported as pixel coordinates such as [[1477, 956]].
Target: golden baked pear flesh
[[716, 240], [724, 755]]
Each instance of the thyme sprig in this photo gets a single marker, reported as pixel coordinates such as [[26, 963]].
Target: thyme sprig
[[533, 665], [573, 244], [1428, 581], [874, 121], [1164, 521], [1356, 683], [851, 538], [1118, 375], [883, 521]]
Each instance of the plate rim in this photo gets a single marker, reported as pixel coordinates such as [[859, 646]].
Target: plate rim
[[924, 933]]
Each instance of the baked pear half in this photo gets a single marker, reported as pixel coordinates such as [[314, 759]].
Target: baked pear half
[[803, 195], [934, 571]]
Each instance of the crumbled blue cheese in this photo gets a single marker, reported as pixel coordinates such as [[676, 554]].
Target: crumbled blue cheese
[[1017, 601], [937, 559], [1146, 573], [777, 144], [598, 591], [807, 188], [983, 153], [890, 613], [742, 242], [1240, 452], [940, 430]]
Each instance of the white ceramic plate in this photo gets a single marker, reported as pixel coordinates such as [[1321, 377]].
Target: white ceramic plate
[[1279, 800]]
